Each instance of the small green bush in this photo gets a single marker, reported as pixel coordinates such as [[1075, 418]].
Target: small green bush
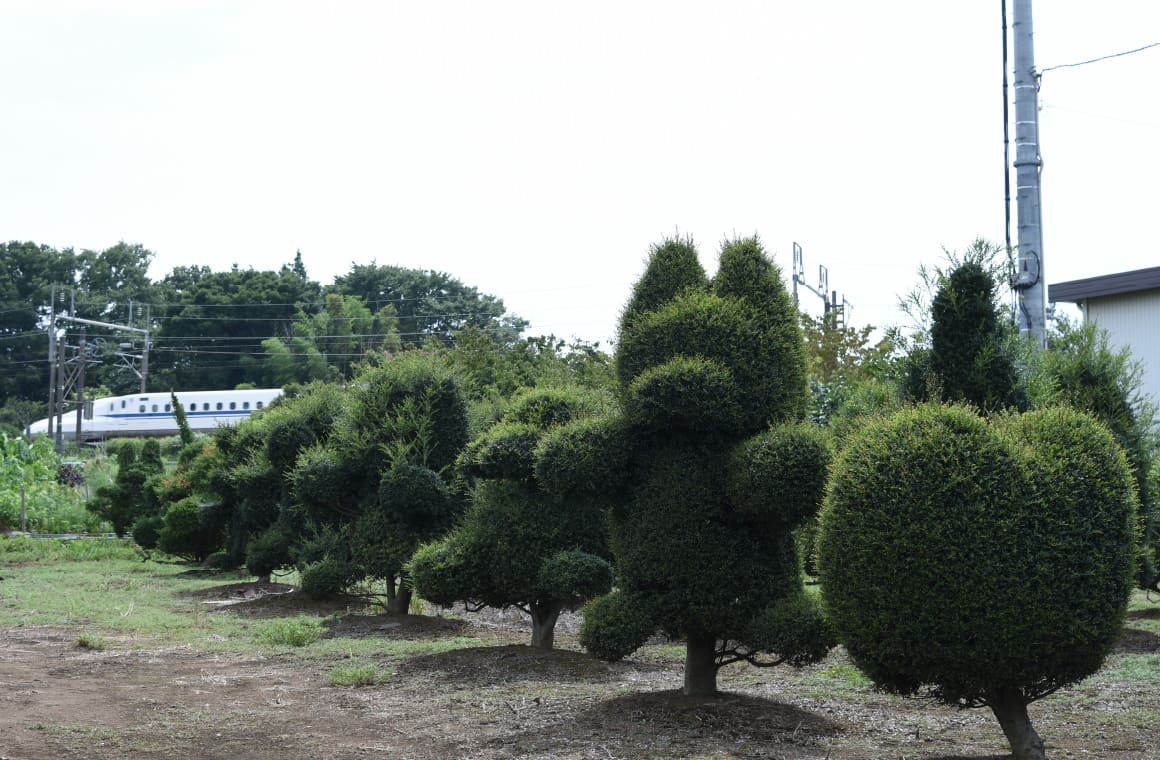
[[191, 530], [147, 531]]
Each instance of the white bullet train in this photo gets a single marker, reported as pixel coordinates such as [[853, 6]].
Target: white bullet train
[[151, 414]]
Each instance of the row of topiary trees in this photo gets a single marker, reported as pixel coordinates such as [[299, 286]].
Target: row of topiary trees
[[982, 561]]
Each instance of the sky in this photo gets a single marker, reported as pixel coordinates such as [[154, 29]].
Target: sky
[[535, 150]]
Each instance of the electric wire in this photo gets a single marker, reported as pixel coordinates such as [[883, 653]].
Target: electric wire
[[1099, 59]]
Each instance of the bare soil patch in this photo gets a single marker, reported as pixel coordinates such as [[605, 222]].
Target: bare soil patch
[[58, 700]]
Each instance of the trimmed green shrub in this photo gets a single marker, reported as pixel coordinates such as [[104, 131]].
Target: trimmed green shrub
[[270, 551], [519, 545], [192, 530], [979, 563], [147, 531], [384, 475]]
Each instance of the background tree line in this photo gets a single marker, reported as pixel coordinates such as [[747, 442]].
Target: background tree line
[[221, 330]]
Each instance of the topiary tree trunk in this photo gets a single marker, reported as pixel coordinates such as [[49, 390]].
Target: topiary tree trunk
[[1010, 709], [544, 616], [700, 665], [398, 597]]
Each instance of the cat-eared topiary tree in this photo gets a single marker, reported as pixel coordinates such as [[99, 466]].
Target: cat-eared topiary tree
[[519, 545], [708, 468], [979, 563]]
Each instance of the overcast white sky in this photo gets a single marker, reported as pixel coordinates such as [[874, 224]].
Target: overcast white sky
[[535, 149]]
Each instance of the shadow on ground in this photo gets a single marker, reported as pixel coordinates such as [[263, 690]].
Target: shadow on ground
[[668, 724]]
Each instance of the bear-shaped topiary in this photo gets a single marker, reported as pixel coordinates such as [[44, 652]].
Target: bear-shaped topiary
[[707, 469]]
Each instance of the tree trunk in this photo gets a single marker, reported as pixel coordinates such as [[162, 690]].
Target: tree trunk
[[398, 598], [1010, 707], [700, 666], [544, 615]]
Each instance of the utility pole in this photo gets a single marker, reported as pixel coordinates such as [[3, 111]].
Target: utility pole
[[1029, 280], [52, 367]]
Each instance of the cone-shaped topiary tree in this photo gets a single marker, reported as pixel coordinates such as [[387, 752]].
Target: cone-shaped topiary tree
[[708, 468], [518, 545], [970, 357], [981, 563]]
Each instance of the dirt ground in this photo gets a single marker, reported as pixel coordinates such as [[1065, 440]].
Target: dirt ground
[[502, 701]]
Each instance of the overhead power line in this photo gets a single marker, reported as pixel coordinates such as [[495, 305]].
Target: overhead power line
[[1101, 58]]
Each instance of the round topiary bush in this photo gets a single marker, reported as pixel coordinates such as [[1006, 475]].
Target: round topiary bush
[[979, 563]]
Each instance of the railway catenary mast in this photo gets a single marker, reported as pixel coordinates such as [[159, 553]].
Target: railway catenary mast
[[1029, 280]]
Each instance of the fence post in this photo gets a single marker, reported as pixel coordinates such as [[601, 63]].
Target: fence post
[[23, 512]]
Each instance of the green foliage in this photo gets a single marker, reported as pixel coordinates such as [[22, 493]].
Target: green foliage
[[673, 268], [1089, 374], [965, 349], [960, 556], [774, 478], [192, 530], [382, 471], [32, 472], [354, 675], [28, 549], [427, 305], [290, 632], [182, 422], [684, 395], [327, 577], [147, 531], [616, 625], [587, 457], [270, 551], [709, 375], [504, 451], [495, 369], [860, 402], [518, 545], [129, 496], [573, 577], [442, 572]]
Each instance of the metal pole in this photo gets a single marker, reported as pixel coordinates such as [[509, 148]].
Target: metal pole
[[1029, 280], [145, 350], [81, 388], [52, 365]]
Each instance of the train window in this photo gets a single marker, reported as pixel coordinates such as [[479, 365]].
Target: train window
[[122, 403], [245, 404], [168, 408], [193, 407], [155, 407], [112, 406], [233, 405], [141, 409], [219, 406], [259, 404]]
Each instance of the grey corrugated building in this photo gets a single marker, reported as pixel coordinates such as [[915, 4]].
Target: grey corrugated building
[[1127, 305]]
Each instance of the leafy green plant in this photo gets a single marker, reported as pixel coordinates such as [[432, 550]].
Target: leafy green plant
[[89, 641], [32, 478], [354, 675], [290, 632]]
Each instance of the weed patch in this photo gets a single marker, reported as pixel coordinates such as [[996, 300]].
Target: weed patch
[[289, 632]]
